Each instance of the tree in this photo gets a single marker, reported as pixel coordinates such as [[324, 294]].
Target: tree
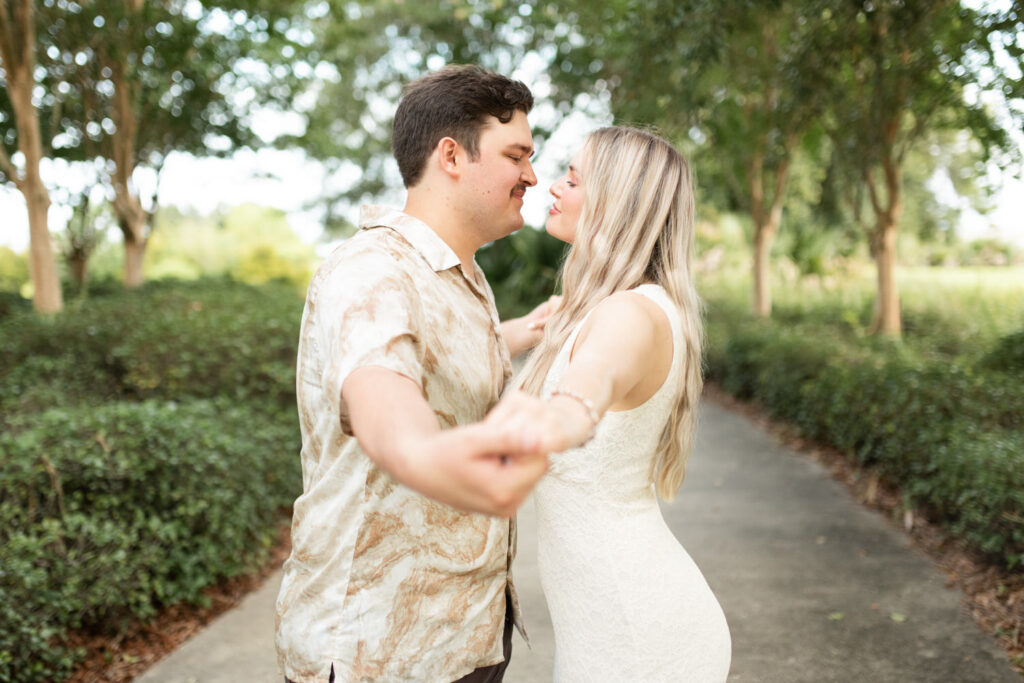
[[18, 59], [132, 81], [908, 67], [85, 230], [13, 271], [129, 81], [248, 243], [734, 82]]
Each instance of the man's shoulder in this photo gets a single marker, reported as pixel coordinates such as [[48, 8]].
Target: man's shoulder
[[370, 251], [375, 243]]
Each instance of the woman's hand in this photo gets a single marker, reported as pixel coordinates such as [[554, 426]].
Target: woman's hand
[[560, 422], [522, 334], [482, 467]]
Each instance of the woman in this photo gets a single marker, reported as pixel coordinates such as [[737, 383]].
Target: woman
[[620, 364]]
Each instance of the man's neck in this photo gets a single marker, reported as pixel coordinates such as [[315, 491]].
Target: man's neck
[[436, 212]]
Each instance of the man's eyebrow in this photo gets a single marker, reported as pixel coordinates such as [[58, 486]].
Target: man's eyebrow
[[525, 148]]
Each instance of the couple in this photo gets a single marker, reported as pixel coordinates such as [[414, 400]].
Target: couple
[[413, 463]]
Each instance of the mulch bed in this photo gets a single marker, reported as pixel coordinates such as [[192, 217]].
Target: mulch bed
[[992, 595], [140, 646]]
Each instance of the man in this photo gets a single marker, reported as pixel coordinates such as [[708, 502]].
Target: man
[[401, 542]]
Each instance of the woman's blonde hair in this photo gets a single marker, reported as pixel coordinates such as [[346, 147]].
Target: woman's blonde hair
[[635, 226]]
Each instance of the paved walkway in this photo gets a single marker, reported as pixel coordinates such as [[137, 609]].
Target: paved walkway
[[815, 587]]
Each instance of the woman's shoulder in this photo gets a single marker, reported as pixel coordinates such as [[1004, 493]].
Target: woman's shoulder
[[645, 303], [629, 314]]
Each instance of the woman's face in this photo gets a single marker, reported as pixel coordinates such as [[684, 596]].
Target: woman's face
[[565, 211]]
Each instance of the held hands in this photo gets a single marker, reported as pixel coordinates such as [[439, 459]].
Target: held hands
[[487, 467], [491, 466], [557, 424]]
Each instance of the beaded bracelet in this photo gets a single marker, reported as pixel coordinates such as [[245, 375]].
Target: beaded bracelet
[[592, 413]]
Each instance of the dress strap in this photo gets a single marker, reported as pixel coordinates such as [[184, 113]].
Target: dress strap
[[658, 295]]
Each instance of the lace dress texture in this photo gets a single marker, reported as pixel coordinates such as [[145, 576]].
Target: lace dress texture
[[626, 600]]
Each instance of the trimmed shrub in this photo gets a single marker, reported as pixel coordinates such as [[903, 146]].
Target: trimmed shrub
[[148, 444], [12, 303], [168, 340], [1008, 354], [108, 513], [949, 433]]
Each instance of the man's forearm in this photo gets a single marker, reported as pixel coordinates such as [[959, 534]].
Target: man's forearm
[[388, 413], [460, 467]]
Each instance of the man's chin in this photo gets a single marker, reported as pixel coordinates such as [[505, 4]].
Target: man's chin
[[515, 226]]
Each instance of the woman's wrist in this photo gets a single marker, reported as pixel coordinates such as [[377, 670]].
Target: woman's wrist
[[587, 404], [578, 417]]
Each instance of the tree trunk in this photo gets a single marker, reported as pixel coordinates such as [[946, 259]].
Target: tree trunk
[[766, 223], [887, 303], [79, 265], [131, 217], [764, 235], [886, 318], [134, 249], [17, 51], [46, 295]]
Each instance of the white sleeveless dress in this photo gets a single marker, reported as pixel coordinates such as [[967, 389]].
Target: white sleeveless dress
[[626, 600]]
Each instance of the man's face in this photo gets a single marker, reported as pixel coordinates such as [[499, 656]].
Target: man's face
[[497, 180]]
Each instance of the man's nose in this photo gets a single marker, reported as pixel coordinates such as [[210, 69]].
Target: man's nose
[[528, 176]]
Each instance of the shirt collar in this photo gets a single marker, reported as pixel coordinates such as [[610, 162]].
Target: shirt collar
[[434, 249]]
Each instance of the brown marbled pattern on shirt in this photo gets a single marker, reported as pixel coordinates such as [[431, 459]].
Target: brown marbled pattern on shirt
[[383, 583]]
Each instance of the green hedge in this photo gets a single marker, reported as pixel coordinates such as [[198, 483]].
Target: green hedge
[[1008, 354], [949, 433], [148, 445], [169, 340], [110, 512]]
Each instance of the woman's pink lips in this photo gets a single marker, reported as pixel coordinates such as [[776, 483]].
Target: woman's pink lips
[[553, 211]]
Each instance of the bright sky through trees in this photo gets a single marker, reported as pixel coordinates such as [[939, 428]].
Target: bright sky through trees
[[288, 180]]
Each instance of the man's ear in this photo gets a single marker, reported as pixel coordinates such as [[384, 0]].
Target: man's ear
[[449, 153]]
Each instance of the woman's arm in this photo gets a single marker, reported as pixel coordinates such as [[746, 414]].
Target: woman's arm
[[620, 351]]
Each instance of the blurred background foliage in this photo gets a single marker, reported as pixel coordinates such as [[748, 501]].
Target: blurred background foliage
[[148, 449]]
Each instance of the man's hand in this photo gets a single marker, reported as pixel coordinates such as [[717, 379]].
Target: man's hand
[[558, 423], [522, 334], [485, 467]]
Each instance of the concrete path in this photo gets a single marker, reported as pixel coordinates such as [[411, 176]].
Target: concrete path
[[815, 587]]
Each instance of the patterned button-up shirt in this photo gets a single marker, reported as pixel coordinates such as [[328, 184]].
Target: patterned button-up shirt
[[384, 583]]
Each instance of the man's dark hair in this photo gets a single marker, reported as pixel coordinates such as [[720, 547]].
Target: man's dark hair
[[453, 102]]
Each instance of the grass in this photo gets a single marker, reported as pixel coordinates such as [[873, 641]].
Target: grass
[[947, 312]]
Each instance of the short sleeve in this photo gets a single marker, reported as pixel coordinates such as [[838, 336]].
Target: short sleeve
[[370, 315]]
